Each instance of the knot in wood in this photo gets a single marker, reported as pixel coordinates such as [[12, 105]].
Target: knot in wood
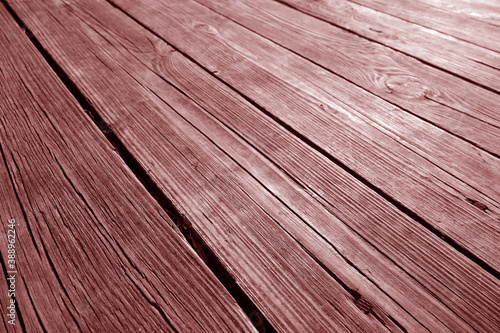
[[409, 87], [205, 28]]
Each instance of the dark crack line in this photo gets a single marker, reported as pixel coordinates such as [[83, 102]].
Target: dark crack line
[[16, 304], [395, 103], [18, 310], [423, 61], [356, 296], [322, 151], [217, 267], [428, 27], [35, 310], [151, 302], [190, 239]]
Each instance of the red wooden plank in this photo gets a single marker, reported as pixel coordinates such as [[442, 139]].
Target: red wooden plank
[[402, 80], [438, 263], [290, 288], [370, 154], [94, 251], [481, 10], [471, 20]]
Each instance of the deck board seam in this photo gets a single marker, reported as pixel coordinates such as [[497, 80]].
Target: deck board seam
[[339, 280], [316, 147], [423, 26], [4, 268], [142, 176], [355, 294], [423, 61], [350, 81], [150, 183]]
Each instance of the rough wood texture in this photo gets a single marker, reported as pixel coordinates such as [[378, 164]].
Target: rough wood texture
[[457, 56], [143, 50], [402, 80], [331, 208], [175, 68], [368, 112], [475, 21], [289, 287], [373, 156], [95, 252], [373, 114], [481, 10]]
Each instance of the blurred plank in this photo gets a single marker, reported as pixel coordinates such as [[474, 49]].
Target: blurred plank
[[370, 215], [438, 97], [290, 288], [94, 251], [372, 155], [475, 21], [486, 11]]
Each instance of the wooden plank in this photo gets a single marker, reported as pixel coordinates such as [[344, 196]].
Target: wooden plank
[[293, 291], [180, 71], [11, 321], [481, 10], [382, 271], [410, 294], [94, 251], [287, 151], [439, 147], [441, 50], [477, 22], [404, 81], [217, 67], [393, 169], [431, 46]]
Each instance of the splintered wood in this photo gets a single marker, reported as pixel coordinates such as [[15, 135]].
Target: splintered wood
[[250, 165]]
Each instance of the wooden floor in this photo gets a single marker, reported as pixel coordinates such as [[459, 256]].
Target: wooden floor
[[250, 165]]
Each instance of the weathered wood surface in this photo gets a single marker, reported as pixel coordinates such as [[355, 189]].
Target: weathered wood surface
[[457, 56], [375, 157], [289, 287], [439, 147], [114, 34], [470, 14], [475, 21], [95, 252], [273, 166], [429, 93]]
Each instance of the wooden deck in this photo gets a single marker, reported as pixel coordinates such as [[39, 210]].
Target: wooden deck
[[250, 165]]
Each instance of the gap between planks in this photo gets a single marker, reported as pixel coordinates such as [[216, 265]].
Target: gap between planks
[[258, 87], [403, 81], [71, 235], [328, 322]]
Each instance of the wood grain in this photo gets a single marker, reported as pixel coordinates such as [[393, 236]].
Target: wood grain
[[292, 290], [173, 69], [366, 154], [367, 111], [362, 235], [474, 21], [457, 56], [481, 10], [402, 80], [326, 182], [95, 252], [312, 175]]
